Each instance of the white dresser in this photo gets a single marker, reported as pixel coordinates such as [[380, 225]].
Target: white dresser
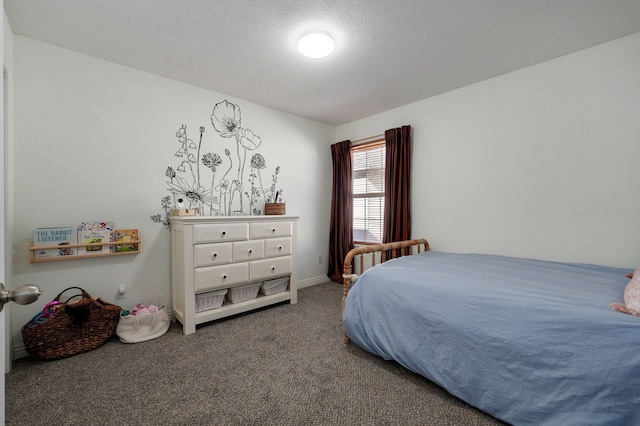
[[210, 253]]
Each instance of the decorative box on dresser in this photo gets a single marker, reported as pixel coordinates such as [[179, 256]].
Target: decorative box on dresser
[[212, 253]]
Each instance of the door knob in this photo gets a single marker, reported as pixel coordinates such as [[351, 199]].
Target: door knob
[[22, 295]]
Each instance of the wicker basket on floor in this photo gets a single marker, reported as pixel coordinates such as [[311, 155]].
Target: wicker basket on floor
[[75, 327]]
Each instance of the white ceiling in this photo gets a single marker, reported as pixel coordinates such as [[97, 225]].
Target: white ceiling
[[388, 52]]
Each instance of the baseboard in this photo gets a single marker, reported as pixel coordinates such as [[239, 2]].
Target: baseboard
[[19, 351], [312, 281]]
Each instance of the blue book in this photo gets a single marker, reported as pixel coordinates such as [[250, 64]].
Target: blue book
[[61, 237]]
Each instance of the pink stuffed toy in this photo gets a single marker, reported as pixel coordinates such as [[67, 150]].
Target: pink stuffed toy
[[141, 309], [631, 296]]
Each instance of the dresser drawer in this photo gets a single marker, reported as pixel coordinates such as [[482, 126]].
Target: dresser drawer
[[275, 247], [270, 268], [213, 277], [211, 254], [269, 229], [218, 232], [248, 250]]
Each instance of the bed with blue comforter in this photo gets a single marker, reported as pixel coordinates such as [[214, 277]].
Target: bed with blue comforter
[[530, 342]]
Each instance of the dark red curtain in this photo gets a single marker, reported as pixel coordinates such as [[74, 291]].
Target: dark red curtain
[[397, 185], [341, 227]]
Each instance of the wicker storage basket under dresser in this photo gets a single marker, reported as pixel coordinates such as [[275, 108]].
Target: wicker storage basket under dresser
[[222, 252]]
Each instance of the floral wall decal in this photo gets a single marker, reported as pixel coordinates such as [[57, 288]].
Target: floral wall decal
[[218, 184]]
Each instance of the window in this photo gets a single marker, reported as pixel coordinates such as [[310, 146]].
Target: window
[[368, 192]]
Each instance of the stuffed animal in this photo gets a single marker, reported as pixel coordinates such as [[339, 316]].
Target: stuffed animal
[[141, 309], [631, 296]]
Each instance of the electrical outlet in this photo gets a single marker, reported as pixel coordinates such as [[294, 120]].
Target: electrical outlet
[[122, 291], [319, 259]]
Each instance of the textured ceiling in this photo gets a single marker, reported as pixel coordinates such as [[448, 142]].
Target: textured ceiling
[[388, 52]]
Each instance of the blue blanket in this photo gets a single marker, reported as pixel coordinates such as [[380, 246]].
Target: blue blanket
[[530, 342]]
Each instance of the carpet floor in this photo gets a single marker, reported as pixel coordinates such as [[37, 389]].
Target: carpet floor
[[281, 365]]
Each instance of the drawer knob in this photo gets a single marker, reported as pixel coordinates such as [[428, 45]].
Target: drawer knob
[[273, 230], [215, 254], [224, 233], [250, 251], [224, 277], [273, 268], [279, 247]]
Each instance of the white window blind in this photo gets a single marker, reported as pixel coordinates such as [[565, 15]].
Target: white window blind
[[368, 192]]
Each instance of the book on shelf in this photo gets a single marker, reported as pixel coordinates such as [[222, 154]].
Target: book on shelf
[[56, 236], [94, 233], [125, 235]]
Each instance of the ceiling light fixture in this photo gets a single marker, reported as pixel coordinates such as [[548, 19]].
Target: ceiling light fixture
[[316, 45]]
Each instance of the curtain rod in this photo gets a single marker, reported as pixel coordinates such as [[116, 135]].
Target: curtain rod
[[366, 139]]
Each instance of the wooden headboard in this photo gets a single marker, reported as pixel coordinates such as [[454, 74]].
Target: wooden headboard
[[379, 253]]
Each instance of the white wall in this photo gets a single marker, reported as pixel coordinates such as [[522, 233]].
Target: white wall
[[93, 140], [542, 162], [535, 163]]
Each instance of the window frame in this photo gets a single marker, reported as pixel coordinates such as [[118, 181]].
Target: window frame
[[379, 143]]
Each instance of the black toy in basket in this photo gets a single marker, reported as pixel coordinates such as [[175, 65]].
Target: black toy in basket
[[72, 327]]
